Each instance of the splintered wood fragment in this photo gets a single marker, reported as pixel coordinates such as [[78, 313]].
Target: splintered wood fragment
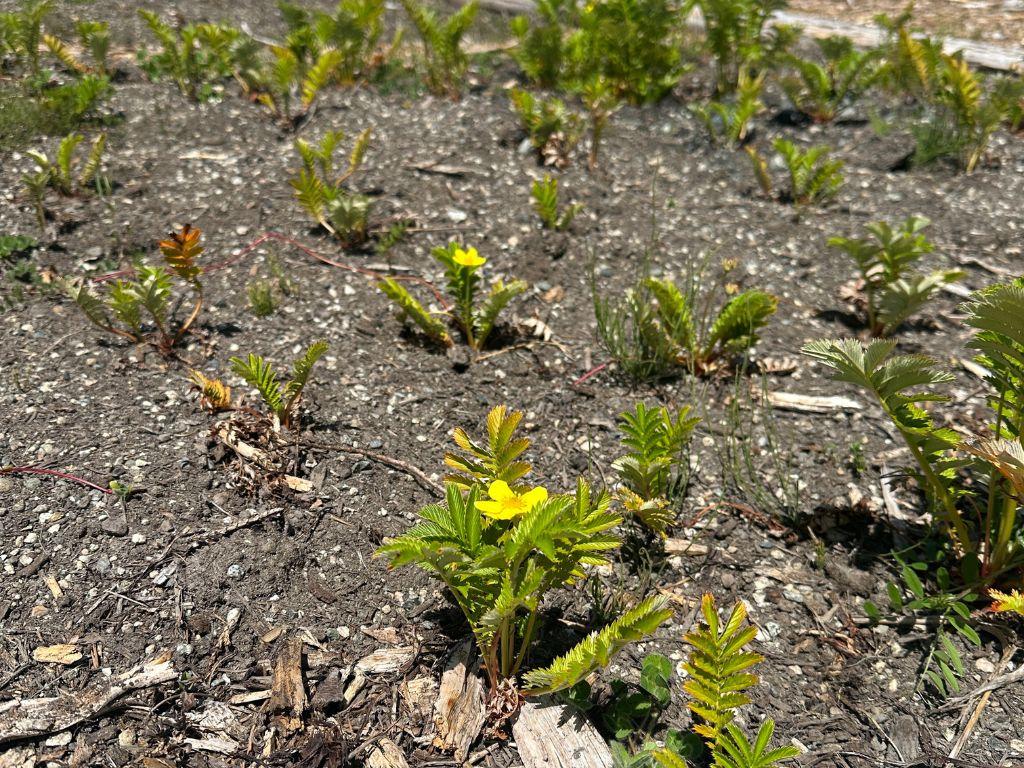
[[459, 711], [387, 754], [386, 660], [419, 695], [53, 586], [288, 691], [685, 547], [30, 718], [62, 653], [794, 401], [219, 744], [250, 696], [552, 735]]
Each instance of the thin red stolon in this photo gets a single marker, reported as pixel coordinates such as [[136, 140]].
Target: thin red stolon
[[305, 249], [53, 473]]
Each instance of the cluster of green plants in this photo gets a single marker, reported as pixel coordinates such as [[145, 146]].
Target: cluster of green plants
[[552, 128], [719, 673], [319, 48], [658, 328], [813, 176], [972, 483], [142, 308], [474, 313], [46, 90]]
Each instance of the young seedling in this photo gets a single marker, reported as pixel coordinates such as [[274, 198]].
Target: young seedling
[[63, 174], [553, 130], [141, 309], [893, 290], [281, 399], [445, 61], [501, 555], [214, 395], [545, 201], [475, 316], [729, 122], [736, 37], [651, 473], [820, 91], [320, 187], [814, 178]]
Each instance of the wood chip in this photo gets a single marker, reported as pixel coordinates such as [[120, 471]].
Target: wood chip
[[419, 696], [30, 718], [793, 401], [386, 660], [459, 711], [219, 744], [250, 696], [552, 735], [53, 586], [62, 653], [387, 754], [288, 693], [685, 547]]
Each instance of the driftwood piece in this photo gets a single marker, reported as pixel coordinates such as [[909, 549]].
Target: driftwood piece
[[386, 660], [30, 718], [459, 711], [794, 401], [387, 754], [288, 693], [551, 735]]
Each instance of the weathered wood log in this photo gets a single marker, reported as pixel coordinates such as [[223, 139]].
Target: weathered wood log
[[552, 735]]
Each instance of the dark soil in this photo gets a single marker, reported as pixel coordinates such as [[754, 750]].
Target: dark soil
[[156, 573]]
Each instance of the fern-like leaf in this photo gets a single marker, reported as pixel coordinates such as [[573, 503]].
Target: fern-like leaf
[[414, 311], [498, 298], [717, 669], [260, 375], [735, 328], [598, 648], [93, 161], [321, 73], [301, 370], [214, 395], [498, 459], [735, 751], [181, 249]]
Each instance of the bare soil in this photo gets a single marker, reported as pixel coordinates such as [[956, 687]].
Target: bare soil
[[164, 571]]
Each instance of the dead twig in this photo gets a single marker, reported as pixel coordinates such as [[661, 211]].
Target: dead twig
[[415, 472]]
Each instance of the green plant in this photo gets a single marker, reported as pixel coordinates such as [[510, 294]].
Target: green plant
[[196, 57], [62, 174], [821, 90], [353, 29], [474, 318], [21, 33], [654, 471], [445, 61], [601, 101], [280, 398], [960, 119], [943, 665], [141, 309], [500, 557], [262, 301], [735, 31], [545, 201], [718, 676], [320, 189], [629, 331], [19, 270], [980, 517], [729, 121], [814, 178], [553, 130], [541, 41], [1008, 92], [892, 289], [910, 61]]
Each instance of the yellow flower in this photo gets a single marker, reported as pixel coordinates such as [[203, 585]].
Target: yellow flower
[[506, 504], [469, 258]]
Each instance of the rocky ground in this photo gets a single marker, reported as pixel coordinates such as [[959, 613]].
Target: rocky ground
[[224, 581]]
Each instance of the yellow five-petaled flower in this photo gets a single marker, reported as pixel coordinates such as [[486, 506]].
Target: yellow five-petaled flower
[[506, 504], [469, 258]]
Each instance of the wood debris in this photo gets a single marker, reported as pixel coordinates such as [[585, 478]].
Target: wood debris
[[62, 653], [552, 735], [387, 754], [29, 718], [793, 401], [288, 693], [459, 711], [386, 660]]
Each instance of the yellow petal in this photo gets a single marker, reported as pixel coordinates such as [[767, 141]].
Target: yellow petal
[[468, 258], [496, 510], [534, 497], [499, 491]]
